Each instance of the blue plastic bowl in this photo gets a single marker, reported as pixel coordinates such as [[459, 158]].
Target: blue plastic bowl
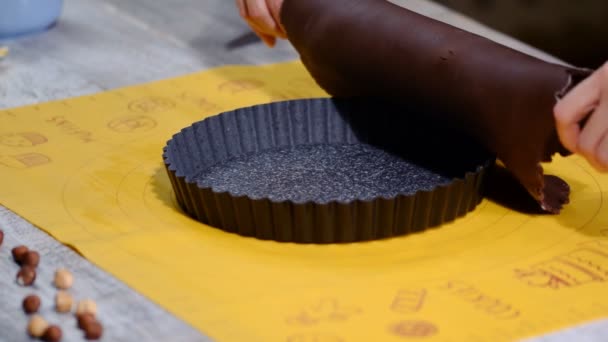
[[18, 17]]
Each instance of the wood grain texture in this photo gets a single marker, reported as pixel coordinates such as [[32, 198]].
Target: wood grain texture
[[125, 314], [105, 44]]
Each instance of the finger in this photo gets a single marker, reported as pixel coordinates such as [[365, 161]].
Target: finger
[[577, 103], [568, 135], [574, 107], [243, 11], [268, 39], [274, 6], [242, 8], [593, 133], [602, 154], [258, 12]]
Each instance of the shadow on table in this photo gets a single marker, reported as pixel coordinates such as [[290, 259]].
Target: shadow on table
[[503, 189], [162, 189], [247, 38]]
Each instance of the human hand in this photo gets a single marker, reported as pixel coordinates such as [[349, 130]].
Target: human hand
[[263, 18], [591, 141]]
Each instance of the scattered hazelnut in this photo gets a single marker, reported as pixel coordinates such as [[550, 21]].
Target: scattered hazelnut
[[37, 326], [52, 334], [18, 253], [63, 279], [26, 276], [93, 331], [85, 319], [86, 305], [31, 258], [63, 302], [31, 304], [1, 236]]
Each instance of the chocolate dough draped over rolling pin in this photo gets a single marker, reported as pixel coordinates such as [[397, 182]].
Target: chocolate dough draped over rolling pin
[[499, 96]]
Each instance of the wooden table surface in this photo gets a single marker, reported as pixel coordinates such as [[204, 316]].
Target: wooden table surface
[[105, 44]]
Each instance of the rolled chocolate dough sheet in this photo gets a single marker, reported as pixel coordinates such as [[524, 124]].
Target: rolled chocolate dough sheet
[[499, 96]]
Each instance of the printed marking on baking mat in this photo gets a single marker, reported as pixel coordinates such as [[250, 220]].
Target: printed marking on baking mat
[[94, 163]]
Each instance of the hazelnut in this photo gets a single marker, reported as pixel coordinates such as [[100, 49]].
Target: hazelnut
[[93, 331], [31, 304], [63, 279], [52, 334], [26, 276], [37, 326], [1, 236], [86, 305], [63, 302], [31, 258], [85, 319], [18, 253]]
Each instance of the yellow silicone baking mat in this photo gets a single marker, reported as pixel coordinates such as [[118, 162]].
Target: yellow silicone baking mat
[[89, 171]]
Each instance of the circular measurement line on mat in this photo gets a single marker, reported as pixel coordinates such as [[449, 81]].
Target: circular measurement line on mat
[[580, 227], [139, 194]]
